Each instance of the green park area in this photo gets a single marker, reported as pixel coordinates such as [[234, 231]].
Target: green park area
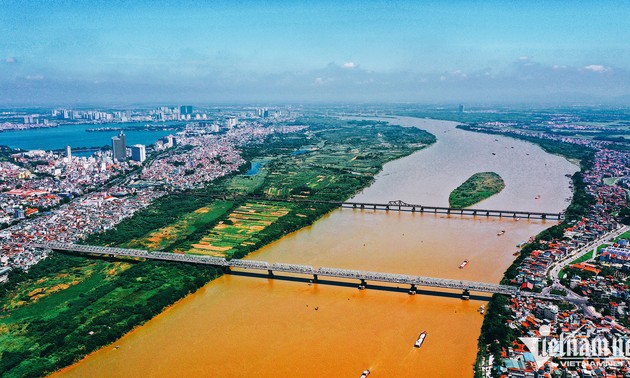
[[68, 306], [476, 189]]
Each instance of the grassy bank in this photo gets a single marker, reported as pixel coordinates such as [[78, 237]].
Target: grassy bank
[[68, 306], [475, 189]]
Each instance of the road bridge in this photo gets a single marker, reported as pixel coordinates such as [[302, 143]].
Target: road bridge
[[362, 276]]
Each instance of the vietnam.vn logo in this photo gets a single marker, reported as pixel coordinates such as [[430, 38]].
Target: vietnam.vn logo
[[574, 346]]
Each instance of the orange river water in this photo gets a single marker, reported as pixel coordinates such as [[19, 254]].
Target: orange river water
[[244, 326]]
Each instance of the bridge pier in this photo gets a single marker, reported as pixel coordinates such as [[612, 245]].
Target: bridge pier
[[362, 206], [413, 209], [514, 216], [544, 216], [314, 277], [465, 295], [270, 272], [474, 212], [412, 290], [387, 207], [374, 207], [354, 205], [363, 284]]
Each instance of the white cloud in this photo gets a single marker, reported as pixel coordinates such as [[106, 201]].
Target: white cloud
[[350, 65], [34, 77], [322, 80], [9, 60], [523, 58], [597, 68], [460, 74]]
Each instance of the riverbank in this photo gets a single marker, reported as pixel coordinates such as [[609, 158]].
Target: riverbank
[[476, 189], [345, 158], [495, 332]]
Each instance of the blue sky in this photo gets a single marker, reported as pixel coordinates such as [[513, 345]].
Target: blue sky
[[253, 51]]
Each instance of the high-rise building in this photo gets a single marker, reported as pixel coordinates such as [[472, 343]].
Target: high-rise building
[[119, 147], [69, 153], [232, 122], [138, 153], [185, 109], [262, 112], [168, 141]]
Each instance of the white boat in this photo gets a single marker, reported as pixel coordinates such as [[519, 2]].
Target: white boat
[[482, 310], [420, 340], [501, 233], [462, 265], [365, 373]]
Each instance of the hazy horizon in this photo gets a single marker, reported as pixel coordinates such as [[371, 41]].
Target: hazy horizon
[[555, 52]]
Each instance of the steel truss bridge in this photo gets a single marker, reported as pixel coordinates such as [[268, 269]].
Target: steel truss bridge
[[399, 205], [362, 276], [403, 206]]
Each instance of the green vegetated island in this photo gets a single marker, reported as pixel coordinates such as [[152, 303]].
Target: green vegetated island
[[477, 188], [69, 305]]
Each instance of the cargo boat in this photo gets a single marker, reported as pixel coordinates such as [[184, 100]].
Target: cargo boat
[[420, 340], [462, 265], [365, 373]]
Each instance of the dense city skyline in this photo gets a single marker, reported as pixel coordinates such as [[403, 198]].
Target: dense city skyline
[[452, 51]]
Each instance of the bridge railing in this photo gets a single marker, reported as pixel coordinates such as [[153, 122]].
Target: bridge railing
[[301, 269], [249, 264], [292, 268]]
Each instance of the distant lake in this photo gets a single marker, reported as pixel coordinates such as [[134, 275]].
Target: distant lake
[[55, 138], [256, 165]]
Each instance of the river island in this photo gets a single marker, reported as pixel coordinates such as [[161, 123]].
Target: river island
[[477, 188]]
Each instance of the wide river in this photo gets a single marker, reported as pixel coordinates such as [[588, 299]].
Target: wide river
[[240, 326]]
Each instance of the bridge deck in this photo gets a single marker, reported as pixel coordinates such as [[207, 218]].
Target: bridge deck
[[296, 269], [399, 205], [403, 206]]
